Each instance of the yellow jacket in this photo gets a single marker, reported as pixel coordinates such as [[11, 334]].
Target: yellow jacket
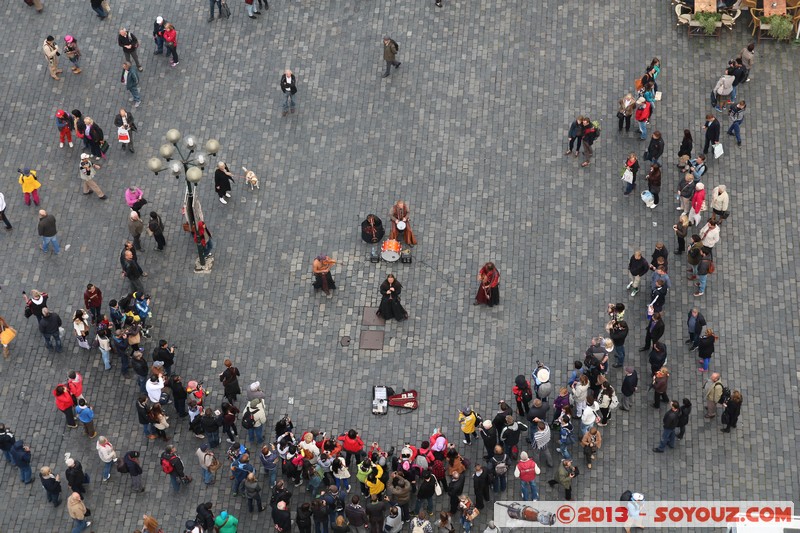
[[467, 422], [378, 486], [29, 182]]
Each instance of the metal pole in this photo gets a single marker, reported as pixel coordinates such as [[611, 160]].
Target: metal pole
[[192, 222]]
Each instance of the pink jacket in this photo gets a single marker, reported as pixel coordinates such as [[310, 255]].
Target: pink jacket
[[697, 200], [131, 197]]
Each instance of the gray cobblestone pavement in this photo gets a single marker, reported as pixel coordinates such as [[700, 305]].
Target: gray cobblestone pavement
[[470, 131]]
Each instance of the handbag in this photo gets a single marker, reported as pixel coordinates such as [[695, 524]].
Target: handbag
[[225, 10], [437, 489], [627, 176], [104, 146], [134, 339], [718, 151], [7, 335], [711, 267], [215, 465], [61, 332], [186, 227], [620, 115], [726, 418], [123, 135], [82, 342]]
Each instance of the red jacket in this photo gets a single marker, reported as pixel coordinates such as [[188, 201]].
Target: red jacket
[[63, 401], [643, 113], [76, 386], [527, 470], [697, 200], [94, 299], [171, 36], [352, 445]]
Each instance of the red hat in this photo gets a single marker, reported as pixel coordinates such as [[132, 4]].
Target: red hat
[[60, 113]]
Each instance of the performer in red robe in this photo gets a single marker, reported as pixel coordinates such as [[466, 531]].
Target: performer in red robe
[[489, 290], [400, 213]]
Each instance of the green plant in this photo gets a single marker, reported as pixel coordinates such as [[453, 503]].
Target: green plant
[[780, 26], [708, 21]]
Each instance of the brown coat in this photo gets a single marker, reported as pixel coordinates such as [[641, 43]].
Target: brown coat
[[76, 508], [629, 109], [389, 51], [457, 466], [587, 440]]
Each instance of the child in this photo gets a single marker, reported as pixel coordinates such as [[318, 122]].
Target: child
[[73, 53]]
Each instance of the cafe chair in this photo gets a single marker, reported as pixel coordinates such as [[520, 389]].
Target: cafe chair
[[729, 19], [684, 14], [749, 4], [755, 19], [792, 4]]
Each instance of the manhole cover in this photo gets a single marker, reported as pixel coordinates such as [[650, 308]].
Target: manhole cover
[[345, 341]]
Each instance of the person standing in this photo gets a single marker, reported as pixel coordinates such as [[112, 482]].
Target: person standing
[[705, 345], [654, 331], [681, 231], [695, 322], [670, 422], [170, 36], [230, 381], [564, 476], [632, 165], [7, 335], [93, 300], [489, 290], [64, 127], [654, 183], [730, 416], [321, 268], [77, 511], [643, 111], [73, 53], [712, 392], [95, 138], [703, 270], [697, 203], [205, 456], [589, 136], [49, 327], [619, 332], [37, 5], [748, 58], [125, 127], [107, 455], [712, 129], [390, 50], [130, 45], [223, 178], [627, 106], [130, 79], [655, 149], [76, 477], [390, 306], [131, 461], [527, 470], [51, 484], [591, 442], [172, 465], [657, 357], [30, 186], [86, 173], [684, 192], [685, 150], [155, 227], [660, 384], [51, 53], [683, 418], [481, 485], [211, 4], [7, 441], [3, 217], [630, 384], [86, 416], [136, 228], [65, 404], [720, 203], [289, 89], [21, 458], [736, 114], [132, 271], [637, 267]]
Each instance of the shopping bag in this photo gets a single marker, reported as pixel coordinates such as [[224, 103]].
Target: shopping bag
[[225, 10], [718, 151], [123, 136], [83, 343]]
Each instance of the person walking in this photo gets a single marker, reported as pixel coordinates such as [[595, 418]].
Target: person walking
[[637, 267], [3, 217], [564, 476], [30, 186], [730, 416], [97, 7], [588, 137], [226, 523], [50, 328], [155, 227], [51, 484], [736, 114], [64, 127], [205, 456], [223, 178], [7, 335], [683, 418], [131, 81], [655, 149], [21, 458], [51, 53], [77, 511], [107, 455], [65, 404], [125, 128], [289, 89], [722, 90], [86, 172], [574, 135], [131, 461], [136, 228], [86, 416], [73, 53], [670, 422], [390, 50], [170, 36], [712, 129], [130, 45], [627, 106], [37, 5]]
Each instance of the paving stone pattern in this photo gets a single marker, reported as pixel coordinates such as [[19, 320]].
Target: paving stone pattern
[[470, 131]]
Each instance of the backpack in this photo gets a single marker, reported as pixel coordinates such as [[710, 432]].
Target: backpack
[[500, 467], [166, 466], [626, 496], [122, 468], [418, 526], [338, 504], [726, 394], [683, 417], [396, 46], [248, 420]]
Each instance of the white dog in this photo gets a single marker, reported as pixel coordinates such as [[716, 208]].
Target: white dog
[[251, 179]]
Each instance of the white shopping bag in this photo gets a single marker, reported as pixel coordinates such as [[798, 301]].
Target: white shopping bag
[[718, 151]]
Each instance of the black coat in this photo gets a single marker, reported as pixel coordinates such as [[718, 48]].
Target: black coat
[[656, 148], [222, 182], [733, 409], [355, 514], [699, 324], [425, 488], [619, 333], [205, 517], [657, 358], [629, 384], [289, 87], [376, 511], [686, 148], [712, 131], [49, 324], [129, 117], [456, 487], [638, 267], [481, 484], [75, 477], [134, 468], [50, 484], [140, 367], [657, 330], [141, 411], [489, 438], [303, 518], [672, 419], [282, 519], [705, 347]]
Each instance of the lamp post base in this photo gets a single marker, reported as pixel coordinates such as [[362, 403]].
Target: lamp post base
[[203, 269]]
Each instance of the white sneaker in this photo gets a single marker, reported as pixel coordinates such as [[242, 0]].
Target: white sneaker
[[61, 145], [653, 206], [227, 195], [678, 209], [629, 286], [222, 200], [89, 523], [71, 145]]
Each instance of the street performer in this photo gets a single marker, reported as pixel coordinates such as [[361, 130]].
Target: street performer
[[322, 273], [489, 290]]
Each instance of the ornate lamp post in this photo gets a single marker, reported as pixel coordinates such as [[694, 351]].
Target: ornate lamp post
[[191, 162]]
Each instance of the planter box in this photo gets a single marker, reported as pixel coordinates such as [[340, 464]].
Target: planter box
[[696, 29]]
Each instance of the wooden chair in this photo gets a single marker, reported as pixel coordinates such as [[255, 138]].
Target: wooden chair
[[755, 21], [749, 4], [792, 4], [684, 14]]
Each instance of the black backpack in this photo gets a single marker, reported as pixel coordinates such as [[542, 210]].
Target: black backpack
[[338, 504], [726, 394], [396, 46], [626, 496], [248, 420]]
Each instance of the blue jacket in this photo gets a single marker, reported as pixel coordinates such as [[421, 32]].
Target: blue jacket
[[21, 457]]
